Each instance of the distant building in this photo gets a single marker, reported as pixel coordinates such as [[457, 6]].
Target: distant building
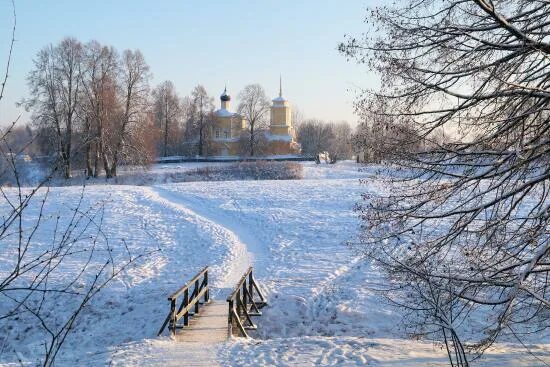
[[228, 128]]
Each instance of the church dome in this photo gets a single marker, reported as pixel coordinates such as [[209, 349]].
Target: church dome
[[225, 97]]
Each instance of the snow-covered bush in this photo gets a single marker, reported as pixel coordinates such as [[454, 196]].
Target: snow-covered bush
[[258, 170]]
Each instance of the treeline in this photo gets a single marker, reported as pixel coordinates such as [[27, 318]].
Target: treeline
[[93, 108], [333, 140], [388, 138], [90, 106]]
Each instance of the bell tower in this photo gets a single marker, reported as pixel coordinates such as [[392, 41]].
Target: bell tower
[[281, 114]]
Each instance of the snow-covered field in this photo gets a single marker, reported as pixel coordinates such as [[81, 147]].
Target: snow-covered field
[[322, 309]]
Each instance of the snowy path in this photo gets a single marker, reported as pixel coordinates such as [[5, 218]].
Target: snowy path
[[246, 237], [202, 351], [241, 258]]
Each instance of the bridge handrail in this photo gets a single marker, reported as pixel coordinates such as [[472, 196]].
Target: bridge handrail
[[239, 284], [242, 304], [189, 301], [177, 293]]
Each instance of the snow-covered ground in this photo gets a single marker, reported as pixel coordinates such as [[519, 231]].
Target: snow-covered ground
[[322, 309]]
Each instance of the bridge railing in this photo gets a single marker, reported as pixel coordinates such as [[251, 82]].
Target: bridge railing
[[183, 302], [245, 301]]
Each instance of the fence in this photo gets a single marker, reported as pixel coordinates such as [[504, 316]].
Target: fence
[[242, 305], [188, 303]]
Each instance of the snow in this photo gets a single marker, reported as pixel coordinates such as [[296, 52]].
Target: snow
[[322, 307], [279, 101], [277, 137], [222, 112]]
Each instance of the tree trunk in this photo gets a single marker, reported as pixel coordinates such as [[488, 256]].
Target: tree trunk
[[200, 142], [166, 128], [252, 139], [89, 169], [201, 132], [106, 167], [114, 165], [66, 166], [96, 159], [67, 154]]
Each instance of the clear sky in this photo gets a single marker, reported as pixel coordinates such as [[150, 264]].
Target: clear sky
[[208, 42]]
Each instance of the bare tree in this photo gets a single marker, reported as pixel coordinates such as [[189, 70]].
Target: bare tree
[[117, 91], [30, 286], [466, 233], [89, 97], [98, 80], [128, 137], [315, 137], [167, 110], [10, 52], [340, 144], [55, 88], [200, 114], [382, 138], [189, 143], [254, 107], [297, 117]]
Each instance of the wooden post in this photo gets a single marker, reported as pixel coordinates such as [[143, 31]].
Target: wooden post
[[230, 319], [185, 303], [244, 296], [173, 320], [238, 297], [196, 295], [251, 287], [207, 294], [239, 318]]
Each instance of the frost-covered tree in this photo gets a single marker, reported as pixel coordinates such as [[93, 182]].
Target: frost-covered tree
[[40, 292], [314, 136], [87, 98], [98, 103], [56, 91], [200, 110], [381, 138], [254, 107], [340, 146], [465, 235], [131, 140], [167, 112]]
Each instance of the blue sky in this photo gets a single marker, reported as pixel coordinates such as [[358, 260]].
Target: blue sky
[[209, 42]]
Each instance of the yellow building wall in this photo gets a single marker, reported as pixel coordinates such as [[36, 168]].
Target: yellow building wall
[[233, 126], [281, 116], [279, 147], [280, 130], [223, 128]]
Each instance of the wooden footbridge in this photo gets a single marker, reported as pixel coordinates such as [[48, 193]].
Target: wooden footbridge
[[194, 317]]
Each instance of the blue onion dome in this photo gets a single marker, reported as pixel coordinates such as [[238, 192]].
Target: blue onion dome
[[225, 97]]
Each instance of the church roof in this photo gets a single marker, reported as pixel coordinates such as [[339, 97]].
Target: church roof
[[225, 97], [222, 112], [280, 99]]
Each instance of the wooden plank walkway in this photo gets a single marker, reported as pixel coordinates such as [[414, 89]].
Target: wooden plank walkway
[[209, 326]]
